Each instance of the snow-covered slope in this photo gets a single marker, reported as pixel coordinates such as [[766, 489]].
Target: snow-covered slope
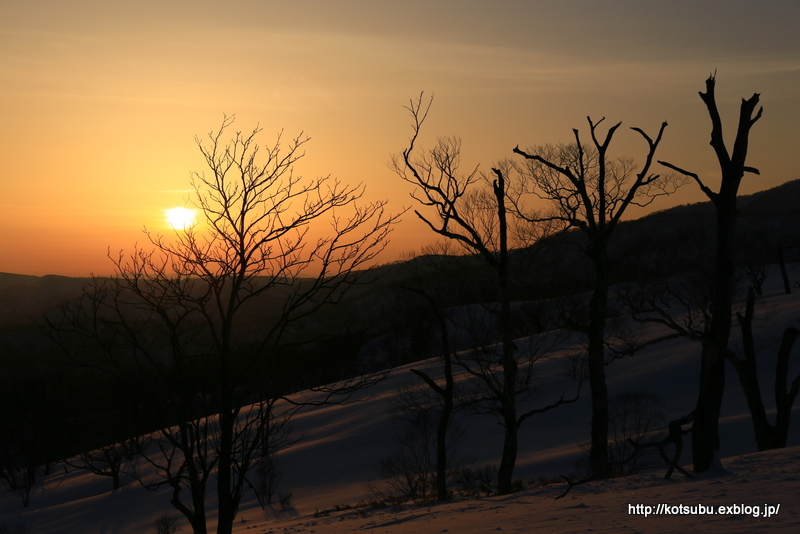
[[344, 444]]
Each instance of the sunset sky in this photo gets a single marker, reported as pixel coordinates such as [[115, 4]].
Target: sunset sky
[[100, 101]]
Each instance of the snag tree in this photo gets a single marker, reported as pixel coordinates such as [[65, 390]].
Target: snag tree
[[705, 430]]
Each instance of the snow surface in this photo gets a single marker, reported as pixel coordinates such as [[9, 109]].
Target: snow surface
[[344, 443]]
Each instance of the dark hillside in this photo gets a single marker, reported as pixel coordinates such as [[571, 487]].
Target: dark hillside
[[780, 201], [380, 322], [24, 299]]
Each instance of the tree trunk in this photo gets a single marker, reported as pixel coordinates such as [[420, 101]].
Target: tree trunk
[[196, 515], [510, 367], [787, 288], [227, 507], [747, 371], [505, 473], [509, 404], [705, 431], [767, 436], [441, 455], [598, 455], [748, 379], [784, 399], [444, 421]]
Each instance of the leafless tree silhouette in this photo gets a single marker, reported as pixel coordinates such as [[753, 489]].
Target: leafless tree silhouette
[[768, 436], [199, 318], [591, 192], [705, 430], [472, 210]]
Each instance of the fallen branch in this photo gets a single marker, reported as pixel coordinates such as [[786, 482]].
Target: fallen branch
[[675, 437], [573, 484]]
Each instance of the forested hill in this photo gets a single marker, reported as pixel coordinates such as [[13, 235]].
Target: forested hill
[[671, 241], [782, 200], [680, 240]]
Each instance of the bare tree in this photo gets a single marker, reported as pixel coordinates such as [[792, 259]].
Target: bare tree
[[109, 460], [20, 477], [433, 278], [784, 275], [446, 394], [411, 466], [680, 303], [756, 274], [768, 436], [636, 415], [277, 434], [591, 192], [31, 427], [199, 318], [166, 524], [684, 306], [705, 430], [472, 210]]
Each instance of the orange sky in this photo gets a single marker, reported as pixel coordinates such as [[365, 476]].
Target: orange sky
[[100, 101]]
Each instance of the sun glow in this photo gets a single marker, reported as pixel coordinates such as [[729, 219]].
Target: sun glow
[[181, 218]]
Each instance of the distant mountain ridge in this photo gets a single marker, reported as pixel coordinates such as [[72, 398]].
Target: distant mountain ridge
[[783, 199], [670, 240], [25, 298], [778, 201]]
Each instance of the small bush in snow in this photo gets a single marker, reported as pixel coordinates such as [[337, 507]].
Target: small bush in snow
[[285, 500], [167, 525]]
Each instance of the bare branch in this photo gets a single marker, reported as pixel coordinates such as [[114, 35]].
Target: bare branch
[[709, 193]]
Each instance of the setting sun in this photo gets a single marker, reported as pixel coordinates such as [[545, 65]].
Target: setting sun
[[181, 218]]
